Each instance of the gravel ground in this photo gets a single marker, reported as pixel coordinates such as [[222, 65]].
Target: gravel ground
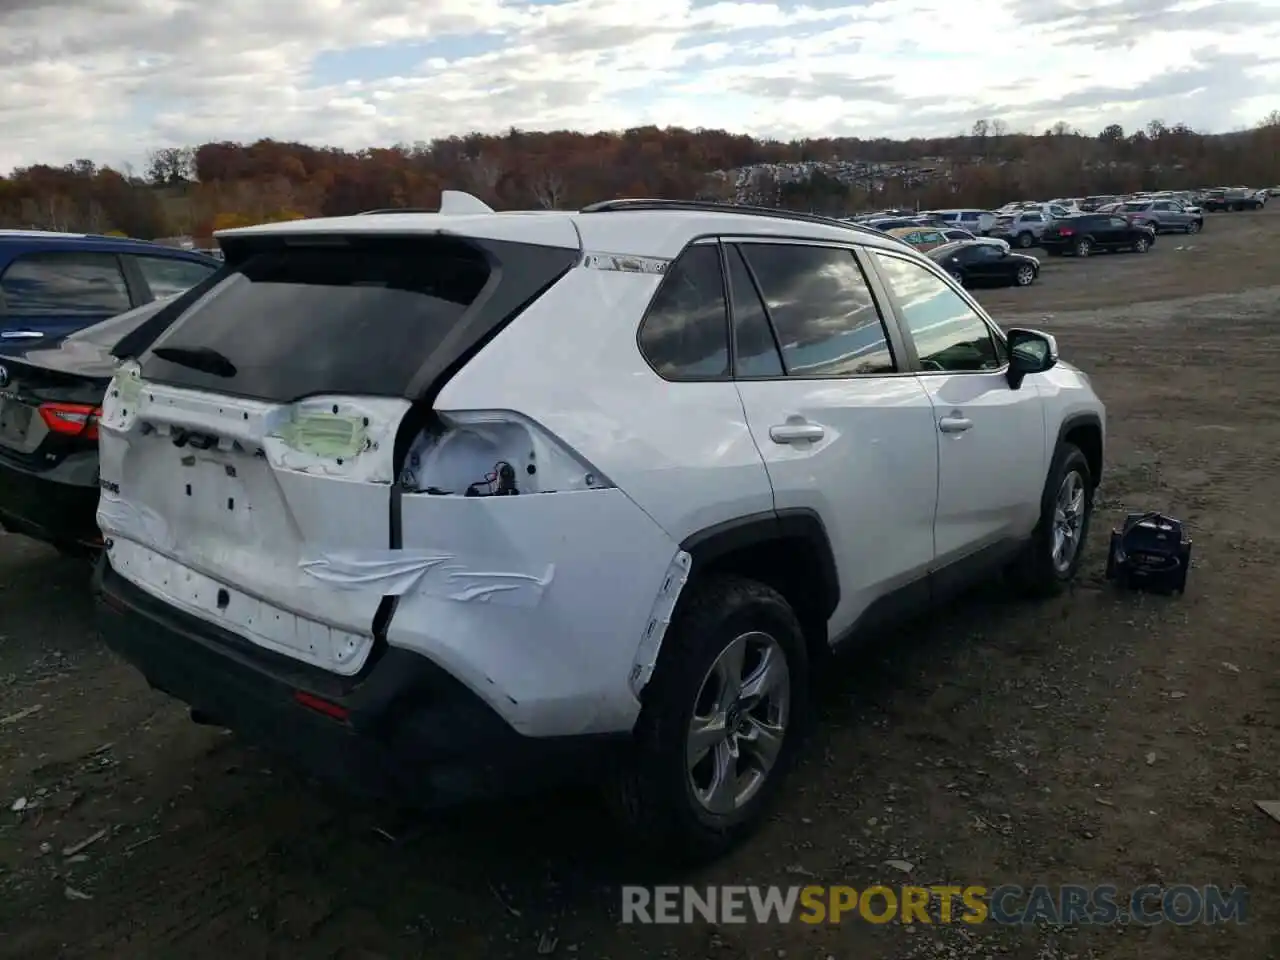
[[1097, 738]]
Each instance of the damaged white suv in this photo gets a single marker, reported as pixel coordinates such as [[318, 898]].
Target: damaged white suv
[[427, 500]]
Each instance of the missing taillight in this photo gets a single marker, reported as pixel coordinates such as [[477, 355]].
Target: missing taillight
[[71, 419]]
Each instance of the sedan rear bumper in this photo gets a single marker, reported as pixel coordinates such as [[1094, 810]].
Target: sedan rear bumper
[[57, 506]]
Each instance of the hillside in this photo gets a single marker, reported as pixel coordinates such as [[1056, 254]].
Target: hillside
[[197, 190]]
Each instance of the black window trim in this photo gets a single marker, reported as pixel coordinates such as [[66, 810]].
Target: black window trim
[[889, 324], [992, 328], [129, 291], [726, 377]]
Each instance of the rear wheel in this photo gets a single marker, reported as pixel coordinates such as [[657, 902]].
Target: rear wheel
[[1025, 240], [1084, 246], [721, 722]]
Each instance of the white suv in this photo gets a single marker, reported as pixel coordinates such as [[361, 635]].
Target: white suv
[[430, 500]]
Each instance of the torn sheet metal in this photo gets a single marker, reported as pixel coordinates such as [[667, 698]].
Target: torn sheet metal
[[664, 606], [431, 574]]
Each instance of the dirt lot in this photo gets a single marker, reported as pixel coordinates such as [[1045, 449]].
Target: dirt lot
[[1099, 738]]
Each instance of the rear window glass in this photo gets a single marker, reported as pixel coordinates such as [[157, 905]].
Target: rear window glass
[[64, 284], [298, 321]]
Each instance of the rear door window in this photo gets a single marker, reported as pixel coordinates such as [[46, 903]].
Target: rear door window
[[64, 284], [685, 332], [292, 322], [170, 276], [822, 309]]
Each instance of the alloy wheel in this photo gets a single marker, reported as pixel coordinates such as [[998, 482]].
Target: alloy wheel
[[739, 723], [1025, 276], [1068, 521]]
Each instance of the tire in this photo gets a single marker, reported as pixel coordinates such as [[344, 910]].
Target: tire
[[1025, 240], [1039, 572], [657, 795], [1141, 245], [1025, 276], [1193, 227], [1083, 247], [957, 276]]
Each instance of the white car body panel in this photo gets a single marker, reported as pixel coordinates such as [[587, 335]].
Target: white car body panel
[[872, 478]]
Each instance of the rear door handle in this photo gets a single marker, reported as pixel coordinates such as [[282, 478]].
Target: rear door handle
[[21, 335], [954, 424], [796, 432]]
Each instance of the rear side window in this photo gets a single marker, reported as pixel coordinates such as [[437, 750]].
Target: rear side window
[[970, 216], [685, 332], [823, 312], [296, 321], [170, 276], [64, 284]]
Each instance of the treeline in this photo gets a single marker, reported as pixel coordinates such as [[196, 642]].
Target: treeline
[[198, 190]]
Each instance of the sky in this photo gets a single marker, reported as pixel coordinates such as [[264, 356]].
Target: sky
[[111, 79]]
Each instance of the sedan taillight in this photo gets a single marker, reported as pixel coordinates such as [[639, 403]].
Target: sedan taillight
[[71, 419]]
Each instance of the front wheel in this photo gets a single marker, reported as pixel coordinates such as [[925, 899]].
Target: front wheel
[[1026, 275], [1052, 556], [1193, 226], [957, 276], [722, 719], [1142, 245], [1025, 240]]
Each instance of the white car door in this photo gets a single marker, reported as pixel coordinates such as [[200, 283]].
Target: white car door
[[842, 429], [992, 455]]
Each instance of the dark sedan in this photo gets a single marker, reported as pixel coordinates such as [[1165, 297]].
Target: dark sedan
[[1092, 232], [976, 263], [50, 401]]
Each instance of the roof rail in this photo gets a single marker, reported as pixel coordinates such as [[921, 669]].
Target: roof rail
[[374, 213], [715, 206]]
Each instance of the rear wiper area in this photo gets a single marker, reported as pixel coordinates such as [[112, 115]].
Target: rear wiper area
[[205, 359]]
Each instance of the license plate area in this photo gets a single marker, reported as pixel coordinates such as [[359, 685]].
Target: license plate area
[[15, 421], [211, 495]]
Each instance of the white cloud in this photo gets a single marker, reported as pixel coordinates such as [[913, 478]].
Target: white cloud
[[108, 79]]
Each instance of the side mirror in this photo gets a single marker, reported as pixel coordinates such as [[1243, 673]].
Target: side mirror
[[1030, 351]]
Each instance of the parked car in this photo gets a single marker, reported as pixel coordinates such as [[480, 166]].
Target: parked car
[[1091, 204], [1232, 199], [1091, 232], [976, 221], [922, 238], [1163, 216], [1022, 229], [955, 233], [297, 478], [50, 402], [53, 284], [973, 263]]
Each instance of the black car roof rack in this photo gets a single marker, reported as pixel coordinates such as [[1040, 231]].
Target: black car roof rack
[[715, 206]]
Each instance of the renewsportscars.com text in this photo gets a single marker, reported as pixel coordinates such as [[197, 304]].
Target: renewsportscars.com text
[[1066, 904]]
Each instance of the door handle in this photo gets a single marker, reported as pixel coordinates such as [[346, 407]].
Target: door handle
[[21, 335], [954, 424], [796, 432]]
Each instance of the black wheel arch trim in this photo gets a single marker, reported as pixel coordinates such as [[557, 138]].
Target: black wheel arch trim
[[797, 523], [1086, 419]]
